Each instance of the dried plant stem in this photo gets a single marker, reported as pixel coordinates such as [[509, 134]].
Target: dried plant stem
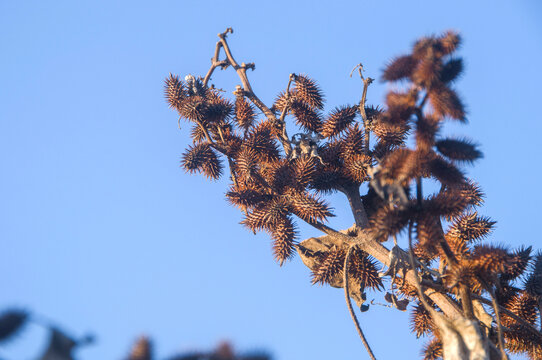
[[241, 70], [349, 303], [356, 205], [491, 292], [363, 113], [534, 331], [230, 161]]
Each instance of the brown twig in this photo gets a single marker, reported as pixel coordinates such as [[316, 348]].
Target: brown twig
[[366, 82], [504, 310], [491, 292], [349, 302]]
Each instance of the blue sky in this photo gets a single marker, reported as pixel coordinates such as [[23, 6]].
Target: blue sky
[[102, 231]]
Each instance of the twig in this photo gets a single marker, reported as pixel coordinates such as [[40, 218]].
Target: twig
[[215, 62], [491, 292], [349, 303], [366, 82], [247, 88], [504, 310], [230, 161]]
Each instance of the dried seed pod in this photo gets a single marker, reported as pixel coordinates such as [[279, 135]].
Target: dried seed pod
[[432, 350], [283, 235], [451, 70], [471, 227], [446, 102], [399, 68], [458, 150], [337, 121], [308, 91], [201, 157], [308, 207], [420, 320], [244, 113], [141, 350], [174, 91], [331, 265]]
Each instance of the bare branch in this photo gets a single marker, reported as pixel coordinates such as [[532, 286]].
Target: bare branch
[[349, 302]]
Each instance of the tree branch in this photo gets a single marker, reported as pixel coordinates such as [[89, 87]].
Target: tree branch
[[349, 302]]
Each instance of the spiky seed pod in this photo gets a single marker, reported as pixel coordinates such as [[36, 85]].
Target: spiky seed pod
[[389, 221], [401, 166], [279, 174], [331, 153], [305, 170], [201, 157], [244, 113], [472, 192], [427, 127], [232, 144], [197, 134], [247, 163], [533, 282], [458, 246], [355, 167], [308, 207], [445, 172], [428, 70], [505, 294], [363, 269], [11, 322], [449, 42], [283, 235], [174, 91], [459, 150], [432, 350], [352, 143], [389, 133], [331, 265], [451, 70], [446, 102], [255, 219], [219, 130], [194, 108], [425, 45], [275, 212], [326, 181], [261, 141], [306, 117], [142, 349], [465, 272], [401, 105], [405, 288], [282, 100], [423, 253], [471, 227], [268, 215], [420, 320], [490, 260], [338, 120], [429, 231], [246, 198], [328, 177], [308, 91], [524, 306], [219, 109], [399, 68], [448, 204], [520, 340]]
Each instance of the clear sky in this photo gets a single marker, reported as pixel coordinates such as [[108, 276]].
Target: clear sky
[[102, 232]]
